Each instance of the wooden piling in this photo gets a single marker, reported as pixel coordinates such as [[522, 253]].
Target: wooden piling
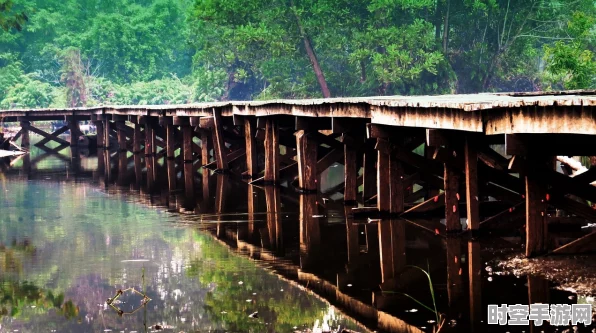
[[149, 138], [205, 147], [471, 165], [187, 155], [307, 162], [73, 125], [170, 141], [451, 180], [137, 139], [25, 141], [121, 135], [369, 175], [350, 175], [100, 134], [252, 168], [106, 132], [397, 193], [271, 152], [383, 182]]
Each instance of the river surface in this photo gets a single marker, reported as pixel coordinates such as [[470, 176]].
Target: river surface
[[232, 258]]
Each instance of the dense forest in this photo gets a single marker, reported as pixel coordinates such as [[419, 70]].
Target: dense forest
[[91, 52]]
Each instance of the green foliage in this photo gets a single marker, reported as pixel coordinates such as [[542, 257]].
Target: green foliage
[[28, 93], [168, 51]]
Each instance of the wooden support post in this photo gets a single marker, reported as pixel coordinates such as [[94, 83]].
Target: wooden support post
[[107, 127], [151, 172], [307, 162], [136, 140], [251, 147], [187, 156], [451, 180], [75, 131], [171, 141], [218, 141], [149, 138], [369, 174], [471, 161], [99, 136], [397, 194], [536, 220], [271, 152], [25, 141], [121, 135], [383, 182], [350, 175], [205, 147], [187, 135]]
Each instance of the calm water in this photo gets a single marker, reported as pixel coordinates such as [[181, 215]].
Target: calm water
[[73, 233]]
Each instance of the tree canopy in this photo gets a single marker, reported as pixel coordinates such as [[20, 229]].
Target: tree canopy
[[89, 52]]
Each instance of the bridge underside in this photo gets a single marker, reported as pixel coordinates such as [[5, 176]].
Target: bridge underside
[[402, 157]]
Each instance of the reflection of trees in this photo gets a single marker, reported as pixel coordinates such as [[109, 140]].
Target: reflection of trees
[[234, 280]]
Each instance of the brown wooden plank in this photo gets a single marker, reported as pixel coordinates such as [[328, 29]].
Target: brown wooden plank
[[149, 139], [137, 139], [187, 151], [369, 173], [45, 135]]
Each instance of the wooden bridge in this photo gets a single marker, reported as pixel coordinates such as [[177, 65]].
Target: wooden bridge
[[402, 156]]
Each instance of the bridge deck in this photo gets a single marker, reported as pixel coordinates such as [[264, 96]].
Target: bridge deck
[[569, 112]]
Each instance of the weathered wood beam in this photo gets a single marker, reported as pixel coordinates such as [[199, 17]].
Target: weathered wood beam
[[171, 141], [45, 135], [585, 244], [350, 175], [383, 181], [428, 205], [452, 196], [335, 155], [49, 137], [506, 219], [231, 157], [397, 189]]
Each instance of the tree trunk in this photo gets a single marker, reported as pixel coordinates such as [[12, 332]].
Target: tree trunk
[[446, 28], [311, 55]]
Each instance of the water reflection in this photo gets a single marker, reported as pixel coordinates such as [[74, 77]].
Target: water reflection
[[240, 258]]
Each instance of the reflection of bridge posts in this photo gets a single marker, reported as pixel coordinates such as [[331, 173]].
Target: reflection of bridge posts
[[352, 237], [392, 249], [475, 285], [75, 160], [274, 227], [221, 193], [310, 231], [538, 292], [454, 277], [27, 165], [122, 168]]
